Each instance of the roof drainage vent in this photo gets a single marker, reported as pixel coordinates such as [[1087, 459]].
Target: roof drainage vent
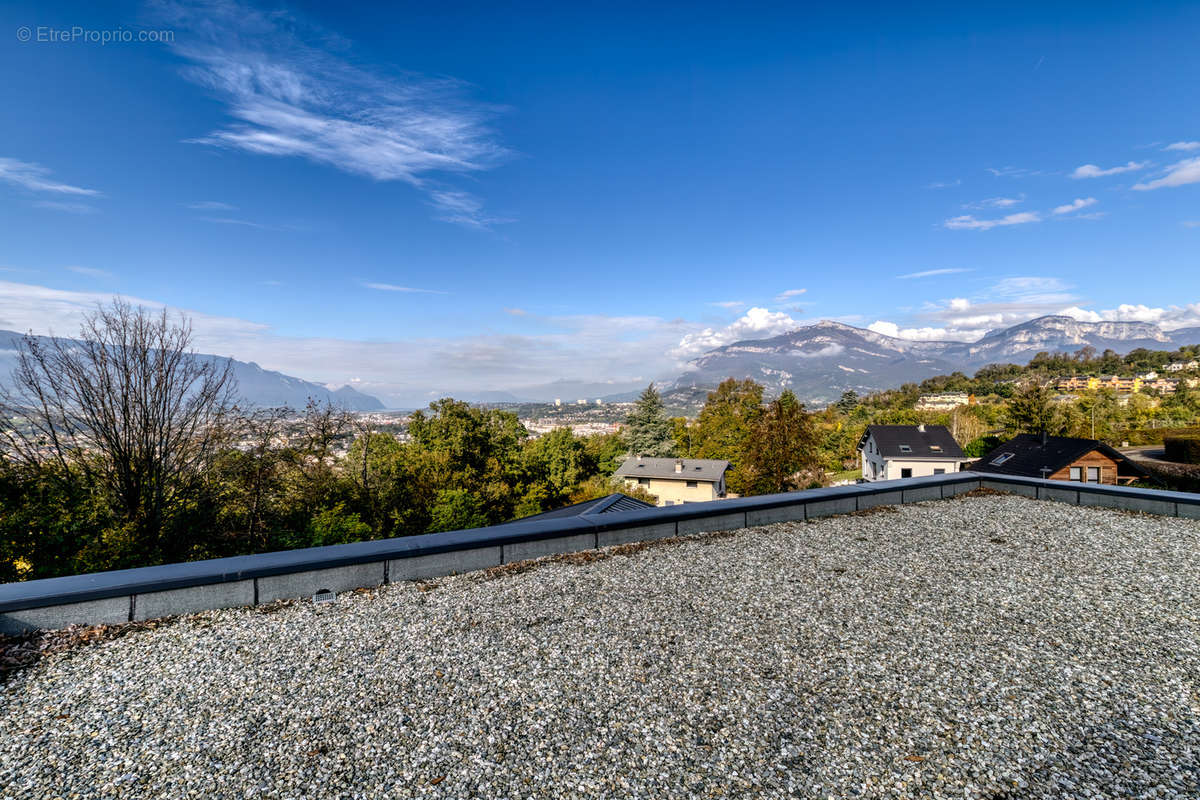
[[324, 596]]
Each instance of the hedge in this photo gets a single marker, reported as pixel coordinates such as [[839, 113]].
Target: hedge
[[1182, 449]]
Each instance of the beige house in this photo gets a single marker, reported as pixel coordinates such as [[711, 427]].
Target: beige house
[[908, 451], [676, 480]]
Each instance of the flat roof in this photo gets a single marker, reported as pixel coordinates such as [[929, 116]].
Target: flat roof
[[980, 646]]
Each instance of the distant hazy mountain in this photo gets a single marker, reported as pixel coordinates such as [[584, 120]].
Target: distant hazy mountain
[[819, 362], [256, 386]]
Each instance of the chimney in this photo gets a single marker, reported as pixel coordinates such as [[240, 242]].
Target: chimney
[[921, 427], [639, 456], [679, 465]]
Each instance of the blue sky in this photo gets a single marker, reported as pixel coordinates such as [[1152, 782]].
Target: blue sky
[[441, 198]]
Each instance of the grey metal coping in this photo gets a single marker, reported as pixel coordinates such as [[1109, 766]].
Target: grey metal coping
[[143, 580]]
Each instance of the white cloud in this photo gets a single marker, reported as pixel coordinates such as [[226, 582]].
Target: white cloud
[[968, 222], [929, 273], [788, 294], [1178, 174], [915, 334], [35, 178], [1167, 318], [91, 272], [290, 96], [959, 304], [1093, 171], [757, 323], [1075, 205], [944, 184], [516, 312], [1012, 172], [1186, 146], [996, 202], [1081, 314], [732, 305], [391, 287]]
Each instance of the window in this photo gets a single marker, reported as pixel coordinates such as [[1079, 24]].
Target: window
[[905, 448], [1093, 475], [935, 448], [939, 471], [1000, 459], [906, 472], [693, 484], [1076, 473], [643, 481]]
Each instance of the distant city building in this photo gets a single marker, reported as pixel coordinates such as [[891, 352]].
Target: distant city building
[[944, 401], [676, 480], [1119, 384], [908, 451], [558, 401]]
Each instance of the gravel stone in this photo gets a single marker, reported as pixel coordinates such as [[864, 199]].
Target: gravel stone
[[984, 647]]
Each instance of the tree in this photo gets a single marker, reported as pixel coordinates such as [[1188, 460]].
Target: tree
[[127, 410], [781, 454], [1030, 409], [725, 425], [456, 509], [847, 402], [647, 428]]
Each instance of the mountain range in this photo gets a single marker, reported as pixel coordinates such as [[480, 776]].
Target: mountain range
[[256, 386], [818, 362]]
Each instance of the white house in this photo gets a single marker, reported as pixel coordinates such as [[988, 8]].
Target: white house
[[676, 480], [1179, 366], [908, 451]]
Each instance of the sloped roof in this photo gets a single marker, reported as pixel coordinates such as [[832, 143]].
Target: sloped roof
[[601, 505], [920, 443], [1030, 454], [694, 469]]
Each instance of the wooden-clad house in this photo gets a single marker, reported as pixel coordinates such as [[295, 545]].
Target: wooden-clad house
[[1060, 458]]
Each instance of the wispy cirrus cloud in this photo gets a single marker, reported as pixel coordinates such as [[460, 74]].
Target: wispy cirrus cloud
[[929, 273], [36, 178], [969, 222], [1178, 174], [391, 287], [1075, 205], [1012, 172], [67, 206], [211, 205], [1185, 146], [944, 184], [996, 202], [291, 96], [1093, 171], [732, 305], [92, 272], [789, 294]]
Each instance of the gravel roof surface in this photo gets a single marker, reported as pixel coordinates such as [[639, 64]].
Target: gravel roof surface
[[993, 647]]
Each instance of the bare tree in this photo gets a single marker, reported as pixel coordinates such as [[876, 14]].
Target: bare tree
[[126, 409]]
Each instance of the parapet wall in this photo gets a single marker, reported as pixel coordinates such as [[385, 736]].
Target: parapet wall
[[150, 592]]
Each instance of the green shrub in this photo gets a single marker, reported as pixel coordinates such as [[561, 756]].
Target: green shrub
[[1182, 449]]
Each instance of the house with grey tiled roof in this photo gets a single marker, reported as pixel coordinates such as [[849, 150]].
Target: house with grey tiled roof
[[676, 480]]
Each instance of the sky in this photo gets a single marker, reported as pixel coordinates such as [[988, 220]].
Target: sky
[[443, 198]]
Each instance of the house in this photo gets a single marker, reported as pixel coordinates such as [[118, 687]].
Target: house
[[908, 451], [944, 401], [1060, 458], [1179, 366], [676, 480]]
